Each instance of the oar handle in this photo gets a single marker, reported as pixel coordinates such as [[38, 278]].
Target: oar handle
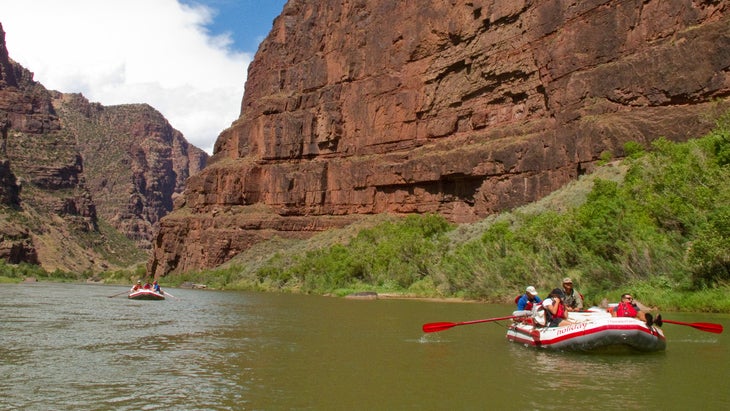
[[509, 317], [440, 326]]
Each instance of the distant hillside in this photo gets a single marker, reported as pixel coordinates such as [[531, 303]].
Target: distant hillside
[[134, 161], [82, 185]]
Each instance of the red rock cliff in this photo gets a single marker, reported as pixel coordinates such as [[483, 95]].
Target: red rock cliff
[[462, 108], [41, 171]]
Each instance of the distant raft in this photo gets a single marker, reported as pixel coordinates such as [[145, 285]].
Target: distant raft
[[594, 330], [145, 294]]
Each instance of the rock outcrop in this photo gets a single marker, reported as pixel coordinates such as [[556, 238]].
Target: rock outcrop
[[42, 173], [463, 108]]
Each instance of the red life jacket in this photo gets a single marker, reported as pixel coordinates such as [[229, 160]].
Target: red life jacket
[[560, 313], [625, 309]]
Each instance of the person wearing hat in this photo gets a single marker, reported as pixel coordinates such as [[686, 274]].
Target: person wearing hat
[[528, 299], [137, 286], [556, 314], [573, 299]]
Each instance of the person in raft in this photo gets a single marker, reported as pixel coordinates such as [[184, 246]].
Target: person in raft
[[573, 299], [628, 308], [137, 286], [156, 287], [528, 299], [556, 314]]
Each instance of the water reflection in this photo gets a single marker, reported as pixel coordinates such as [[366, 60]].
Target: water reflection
[[593, 368]]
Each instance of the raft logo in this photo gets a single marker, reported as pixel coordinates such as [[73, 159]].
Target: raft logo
[[572, 328]]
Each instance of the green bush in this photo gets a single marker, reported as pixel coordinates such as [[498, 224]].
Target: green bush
[[392, 255]]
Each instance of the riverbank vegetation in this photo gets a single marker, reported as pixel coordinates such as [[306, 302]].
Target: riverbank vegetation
[[15, 273]]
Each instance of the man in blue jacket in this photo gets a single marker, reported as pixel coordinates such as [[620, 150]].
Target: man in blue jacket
[[526, 300]]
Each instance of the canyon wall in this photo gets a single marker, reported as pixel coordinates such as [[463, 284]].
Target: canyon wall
[[462, 108]]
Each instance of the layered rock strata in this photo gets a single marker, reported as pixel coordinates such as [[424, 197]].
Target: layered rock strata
[[462, 108], [42, 173]]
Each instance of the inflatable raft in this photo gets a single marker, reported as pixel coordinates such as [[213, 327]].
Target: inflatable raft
[[145, 294], [593, 330]]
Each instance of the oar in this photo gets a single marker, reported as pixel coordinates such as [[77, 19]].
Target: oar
[[123, 292], [166, 293], [435, 327], [709, 327]]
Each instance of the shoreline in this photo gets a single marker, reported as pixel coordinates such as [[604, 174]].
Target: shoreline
[[398, 296], [363, 295]]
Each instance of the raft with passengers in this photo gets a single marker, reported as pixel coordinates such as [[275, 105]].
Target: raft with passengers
[[150, 292], [590, 330], [554, 325]]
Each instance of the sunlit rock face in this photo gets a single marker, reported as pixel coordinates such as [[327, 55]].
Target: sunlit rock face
[[462, 108]]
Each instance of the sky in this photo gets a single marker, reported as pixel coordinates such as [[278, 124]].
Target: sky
[[186, 58]]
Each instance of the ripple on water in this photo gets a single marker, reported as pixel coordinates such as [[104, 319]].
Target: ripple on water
[[431, 339]]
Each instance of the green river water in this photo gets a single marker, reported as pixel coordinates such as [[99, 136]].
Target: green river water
[[71, 347]]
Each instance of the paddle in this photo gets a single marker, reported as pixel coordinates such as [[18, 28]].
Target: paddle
[[166, 293], [709, 327], [440, 326], [123, 292]]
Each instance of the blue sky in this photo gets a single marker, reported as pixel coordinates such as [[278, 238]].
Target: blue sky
[[186, 58], [246, 21]]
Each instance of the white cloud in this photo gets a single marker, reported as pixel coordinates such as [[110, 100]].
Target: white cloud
[[132, 51]]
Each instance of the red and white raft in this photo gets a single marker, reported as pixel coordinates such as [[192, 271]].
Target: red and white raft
[[594, 330], [145, 294]]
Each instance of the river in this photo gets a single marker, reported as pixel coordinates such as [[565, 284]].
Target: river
[[72, 347]]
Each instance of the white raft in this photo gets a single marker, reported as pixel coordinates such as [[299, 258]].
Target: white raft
[[594, 330], [145, 294]]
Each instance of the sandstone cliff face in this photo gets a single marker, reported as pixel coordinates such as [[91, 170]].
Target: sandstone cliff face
[[15, 243], [134, 161], [462, 108]]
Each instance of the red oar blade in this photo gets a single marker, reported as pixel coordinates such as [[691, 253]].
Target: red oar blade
[[709, 327], [436, 327]]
